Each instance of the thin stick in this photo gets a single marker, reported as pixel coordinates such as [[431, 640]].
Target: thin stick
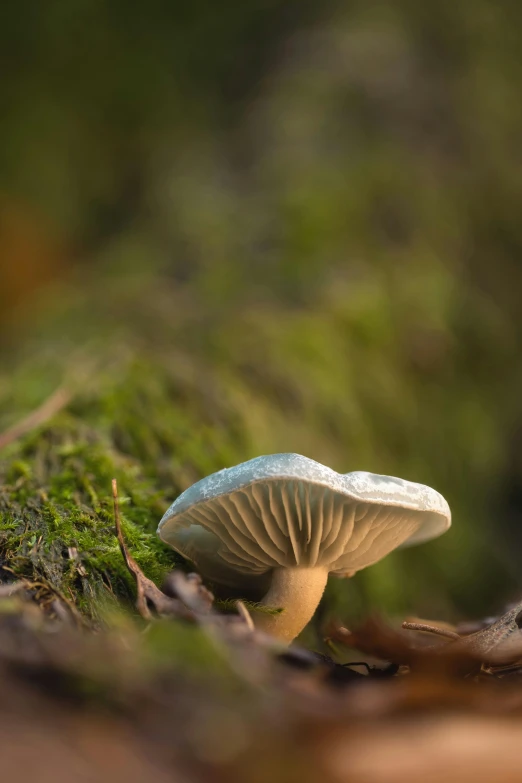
[[145, 587], [58, 400], [430, 629], [141, 602], [245, 614]]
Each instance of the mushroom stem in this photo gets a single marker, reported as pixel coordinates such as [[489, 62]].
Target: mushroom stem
[[297, 591]]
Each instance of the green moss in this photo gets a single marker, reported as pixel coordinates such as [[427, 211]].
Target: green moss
[[56, 518]]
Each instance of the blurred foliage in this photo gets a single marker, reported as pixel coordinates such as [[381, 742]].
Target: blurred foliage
[[276, 227]]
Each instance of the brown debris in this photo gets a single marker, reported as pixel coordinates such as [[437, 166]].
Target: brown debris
[[491, 650], [284, 715], [90, 708]]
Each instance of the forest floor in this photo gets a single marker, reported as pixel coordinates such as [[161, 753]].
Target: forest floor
[[180, 691], [115, 665]]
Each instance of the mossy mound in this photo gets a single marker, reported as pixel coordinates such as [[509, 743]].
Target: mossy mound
[[168, 387], [55, 485]]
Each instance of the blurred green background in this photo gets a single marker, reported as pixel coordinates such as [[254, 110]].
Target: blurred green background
[[270, 226]]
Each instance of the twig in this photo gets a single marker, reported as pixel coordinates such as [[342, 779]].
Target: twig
[[58, 400], [146, 589], [430, 629], [245, 614]]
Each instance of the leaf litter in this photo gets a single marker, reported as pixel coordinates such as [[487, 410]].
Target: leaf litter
[[188, 693]]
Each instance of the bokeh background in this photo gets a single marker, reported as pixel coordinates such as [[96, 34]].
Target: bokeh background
[[243, 228]]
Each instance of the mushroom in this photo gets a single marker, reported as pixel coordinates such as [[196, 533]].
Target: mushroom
[[279, 524]]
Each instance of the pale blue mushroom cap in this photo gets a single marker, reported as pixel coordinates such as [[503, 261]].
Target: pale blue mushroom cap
[[285, 510]]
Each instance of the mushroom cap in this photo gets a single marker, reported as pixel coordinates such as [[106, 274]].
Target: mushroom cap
[[285, 510]]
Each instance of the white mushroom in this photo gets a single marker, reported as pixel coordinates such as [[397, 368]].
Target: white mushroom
[[283, 522]]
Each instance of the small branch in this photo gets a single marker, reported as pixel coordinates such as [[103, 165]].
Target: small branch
[[146, 589], [58, 400], [430, 629], [245, 614]]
